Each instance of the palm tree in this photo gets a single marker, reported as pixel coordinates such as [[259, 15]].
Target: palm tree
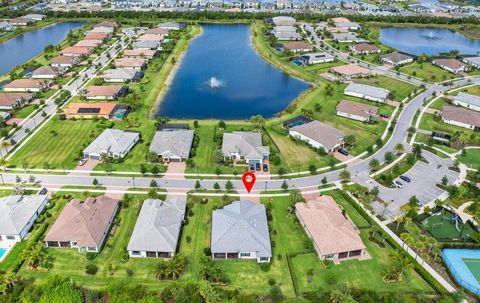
[[4, 145], [401, 262], [4, 163], [399, 148]]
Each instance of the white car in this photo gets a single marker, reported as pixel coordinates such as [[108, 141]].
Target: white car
[[397, 184], [82, 162]]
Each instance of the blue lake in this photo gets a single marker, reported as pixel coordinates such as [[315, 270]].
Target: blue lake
[[430, 41], [222, 76], [21, 49]]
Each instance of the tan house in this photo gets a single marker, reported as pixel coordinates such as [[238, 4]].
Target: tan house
[[9, 101], [83, 225], [356, 111], [112, 24], [334, 236], [88, 43], [27, 85], [297, 46], [140, 53], [96, 36], [461, 117], [150, 37], [106, 92], [452, 65], [157, 31], [131, 63], [350, 71], [365, 49], [76, 51], [90, 110], [64, 61]]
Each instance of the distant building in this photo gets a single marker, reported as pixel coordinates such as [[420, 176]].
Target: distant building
[[146, 44], [21, 21], [356, 111], [172, 25], [467, 100], [240, 231], [334, 236], [316, 58], [158, 227], [283, 21], [131, 63], [472, 61], [115, 143], [18, 214], [140, 53], [297, 46], [365, 49], [345, 37], [122, 75], [461, 117], [318, 135], [368, 92]]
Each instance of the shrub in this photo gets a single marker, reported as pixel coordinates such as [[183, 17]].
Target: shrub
[[331, 278], [265, 266], [271, 282], [124, 258], [91, 269], [91, 256]]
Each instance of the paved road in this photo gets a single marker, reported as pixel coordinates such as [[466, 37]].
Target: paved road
[[51, 108]]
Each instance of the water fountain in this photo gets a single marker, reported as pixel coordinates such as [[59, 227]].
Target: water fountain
[[214, 83]]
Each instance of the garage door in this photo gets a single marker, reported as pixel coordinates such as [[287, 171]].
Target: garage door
[[253, 161], [94, 157]]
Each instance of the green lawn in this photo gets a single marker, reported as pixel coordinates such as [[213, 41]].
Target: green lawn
[[426, 71], [471, 158], [25, 111], [474, 90], [366, 274], [59, 142], [399, 90], [428, 123]]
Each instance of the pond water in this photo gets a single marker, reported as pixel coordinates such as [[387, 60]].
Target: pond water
[[430, 41], [21, 49], [222, 76]]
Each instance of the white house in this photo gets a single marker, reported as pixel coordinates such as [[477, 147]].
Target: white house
[[356, 111], [115, 143], [461, 117], [318, 135], [367, 92], [244, 146], [316, 58], [467, 100]]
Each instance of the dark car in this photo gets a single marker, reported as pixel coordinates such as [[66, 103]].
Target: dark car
[[343, 151], [43, 191], [252, 167], [265, 167], [406, 179], [257, 166]]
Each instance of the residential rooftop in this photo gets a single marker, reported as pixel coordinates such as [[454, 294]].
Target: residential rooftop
[[326, 135], [172, 143]]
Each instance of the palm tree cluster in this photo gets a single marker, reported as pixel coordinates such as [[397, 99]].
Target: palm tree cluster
[[211, 272], [8, 280], [425, 245], [171, 270], [35, 257], [399, 267]]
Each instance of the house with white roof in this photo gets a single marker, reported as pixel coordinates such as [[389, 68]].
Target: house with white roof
[[115, 143], [467, 100], [157, 230], [172, 145], [316, 58], [18, 214], [472, 61], [244, 146], [240, 231], [367, 92]]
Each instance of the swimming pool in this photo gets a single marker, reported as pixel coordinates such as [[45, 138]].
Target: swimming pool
[[2, 252], [463, 265]]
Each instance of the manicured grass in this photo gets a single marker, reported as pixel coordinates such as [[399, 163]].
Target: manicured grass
[[471, 158], [440, 103], [25, 111], [426, 71], [365, 274], [441, 227], [474, 90], [399, 90], [59, 143], [428, 123]]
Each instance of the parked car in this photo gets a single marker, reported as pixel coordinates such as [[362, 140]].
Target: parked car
[[343, 151], [82, 162], [257, 166], [405, 178], [252, 168], [43, 191], [265, 167], [397, 184], [384, 115]]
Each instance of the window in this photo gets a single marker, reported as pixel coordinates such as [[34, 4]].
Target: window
[[10, 237], [135, 253], [343, 255], [355, 253], [264, 259], [90, 248], [244, 254], [329, 256]]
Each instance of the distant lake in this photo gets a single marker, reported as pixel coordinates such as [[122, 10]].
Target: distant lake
[[430, 41], [222, 76], [23, 48]]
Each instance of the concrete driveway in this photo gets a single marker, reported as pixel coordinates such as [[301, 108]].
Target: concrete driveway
[[176, 168], [89, 165]]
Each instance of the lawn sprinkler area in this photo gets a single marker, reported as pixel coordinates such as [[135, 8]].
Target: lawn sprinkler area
[[444, 225], [464, 265]]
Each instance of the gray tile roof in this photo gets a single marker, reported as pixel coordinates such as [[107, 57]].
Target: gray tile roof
[[16, 211], [396, 57], [120, 73], [472, 60], [468, 99], [318, 56], [248, 144], [320, 132], [113, 141], [146, 44], [158, 225], [368, 90], [241, 227], [172, 143]]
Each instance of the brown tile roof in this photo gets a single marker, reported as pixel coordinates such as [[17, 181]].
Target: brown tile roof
[[356, 108], [21, 21], [84, 222], [329, 229], [337, 30], [350, 70], [106, 24], [96, 36], [453, 64], [79, 50], [150, 37], [106, 90], [365, 47], [63, 60], [297, 45], [88, 43], [130, 62], [148, 53], [340, 20], [26, 83], [8, 99], [105, 108], [462, 115], [157, 31]]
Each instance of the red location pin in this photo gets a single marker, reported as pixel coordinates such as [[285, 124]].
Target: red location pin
[[248, 180]]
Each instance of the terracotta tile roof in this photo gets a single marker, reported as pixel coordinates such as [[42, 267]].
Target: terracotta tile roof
[[88, 43], [106, 24], [297, 45], [104, 108], [148, 53], [26, 83], [79, 50], [157, 31], [63, 60], [461, 115], [150, 37], [106, 90], [8, 99], [96, 36], [350, 70], [357, 108], [365, 47], [84, 222], [453, 64], [130, 62], [329, 229]]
